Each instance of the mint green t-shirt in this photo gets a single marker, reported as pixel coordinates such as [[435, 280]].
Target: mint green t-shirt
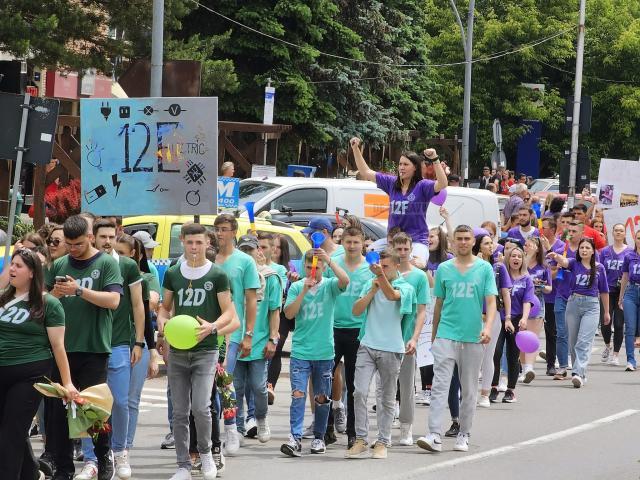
[[271, 301], [418, 280], [243, 274], [463, 295], [281, 271], [313, 335], [342, 316]]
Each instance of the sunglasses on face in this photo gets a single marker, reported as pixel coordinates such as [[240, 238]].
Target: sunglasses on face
[[53, 241]]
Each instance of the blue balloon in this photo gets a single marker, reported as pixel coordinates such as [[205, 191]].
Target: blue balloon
[[372, 258]]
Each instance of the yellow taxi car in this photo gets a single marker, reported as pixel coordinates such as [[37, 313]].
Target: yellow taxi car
[[165, 229]]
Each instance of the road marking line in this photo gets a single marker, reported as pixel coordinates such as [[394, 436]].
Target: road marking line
[[154, 405], [150, 389], [154, 397], [510, 448]]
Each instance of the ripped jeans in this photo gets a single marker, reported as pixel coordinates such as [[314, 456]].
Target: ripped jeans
[[321, 373]]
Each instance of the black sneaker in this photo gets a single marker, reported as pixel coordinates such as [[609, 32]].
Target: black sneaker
[[293, 448], [218, 459], [330, 436], [509, 397], [350, 442], [453, 431], [105, 467], [45, 464], [551, 371], [63, 476], [493, 395]]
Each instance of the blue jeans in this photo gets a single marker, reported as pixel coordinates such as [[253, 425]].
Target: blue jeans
[[251, 378], [118, 379], [582, 318], [233, 351], [631, 309], [138, 376], [562, 345], [321, 373]]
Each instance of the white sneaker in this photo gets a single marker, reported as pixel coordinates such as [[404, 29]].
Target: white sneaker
[[630, 368], [122, 467], [605, 354], [521, 378], [431, 442], [88, 472], [577, 381], [502, 384], [424, 397], [232, 442], [614, 360], [462, 443], [483, 401], [264, 433], [251, 428], [182, 474], [340, 419], [308, 433], [406, 435], [209, 470]]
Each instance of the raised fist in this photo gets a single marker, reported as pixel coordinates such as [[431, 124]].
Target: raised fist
[[355, 142]]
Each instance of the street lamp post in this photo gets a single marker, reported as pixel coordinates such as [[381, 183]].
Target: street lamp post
[[157, 39]]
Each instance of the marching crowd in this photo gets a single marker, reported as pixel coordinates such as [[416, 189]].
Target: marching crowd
[[82, 305]]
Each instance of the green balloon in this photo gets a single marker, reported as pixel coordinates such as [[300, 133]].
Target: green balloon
[[180, 332]]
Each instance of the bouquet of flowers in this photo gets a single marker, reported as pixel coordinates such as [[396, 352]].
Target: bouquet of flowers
[[224, 382], [87, 415]]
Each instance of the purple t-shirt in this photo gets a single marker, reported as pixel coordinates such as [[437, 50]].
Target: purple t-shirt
[[581, 277], [409, 212], [515, 232], [612, 262], [499, 249], [433, 266], [522, 292], [563, 286], [557, 245], [503, 280], [631, 265], [541, 276]]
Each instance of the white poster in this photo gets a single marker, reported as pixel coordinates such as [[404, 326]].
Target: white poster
[[424, 355], [618, 191], [261, 171], [628, 216]]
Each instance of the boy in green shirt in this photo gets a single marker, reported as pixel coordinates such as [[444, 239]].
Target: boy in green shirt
[[250, 373], [89, 286], [459, 334], [311, 302], [198, 288]]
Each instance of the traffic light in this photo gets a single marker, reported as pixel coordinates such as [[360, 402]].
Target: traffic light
[[583, 170], [585, 114]]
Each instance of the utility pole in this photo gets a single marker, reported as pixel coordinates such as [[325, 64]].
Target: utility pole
[[467, 45], [157, 41], [577, 100]]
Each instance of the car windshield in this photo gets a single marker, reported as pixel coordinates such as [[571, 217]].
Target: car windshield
[[539, 186], [253, 190]]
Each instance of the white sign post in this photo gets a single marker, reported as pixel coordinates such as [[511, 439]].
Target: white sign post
[[267, 118]]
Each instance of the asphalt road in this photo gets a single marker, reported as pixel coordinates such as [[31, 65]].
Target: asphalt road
[[554, 431]]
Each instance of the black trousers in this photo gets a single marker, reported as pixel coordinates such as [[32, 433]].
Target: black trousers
[[275, 365], [87, 369], [19, 403], [513, 354], [346, 346], [550, 334], [617, 322], [426, 376]]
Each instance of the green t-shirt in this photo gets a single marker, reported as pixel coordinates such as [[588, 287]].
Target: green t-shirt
[[22, 340], [281, 271], [463, 295], [89, 327], [418, 280], [243, 274], [271, 301], [123, 322], [198, 296], [342, 315], [153, 284], [313, 335]]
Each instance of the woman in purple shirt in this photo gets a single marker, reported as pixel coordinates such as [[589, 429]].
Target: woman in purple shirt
[[522, 299], [409, 194], [612, 257], [541, 277], [630, 300], [588, 281]]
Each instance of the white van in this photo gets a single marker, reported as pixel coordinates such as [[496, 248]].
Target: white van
[[468, 206]]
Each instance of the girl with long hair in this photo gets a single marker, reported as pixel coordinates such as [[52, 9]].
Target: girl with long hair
[[588, 282], [629, 299], [612, 258], [31, 334], [522, 299], [483, 248], [542, 282]]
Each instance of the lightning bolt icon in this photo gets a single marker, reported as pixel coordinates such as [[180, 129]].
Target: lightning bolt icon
[[116, 182]]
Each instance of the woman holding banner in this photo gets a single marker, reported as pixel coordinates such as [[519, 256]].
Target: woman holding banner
[[409, 194], [630, 300]]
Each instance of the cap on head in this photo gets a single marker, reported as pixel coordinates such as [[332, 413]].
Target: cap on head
[[248, 241], [146, 239], [318, 223]]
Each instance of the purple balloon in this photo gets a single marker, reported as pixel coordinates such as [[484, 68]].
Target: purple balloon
[[440, 197], [535, 308], [527, 341]]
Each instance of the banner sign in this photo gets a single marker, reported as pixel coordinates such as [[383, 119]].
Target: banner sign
[[145, 156], [228, 192], [618, 193]]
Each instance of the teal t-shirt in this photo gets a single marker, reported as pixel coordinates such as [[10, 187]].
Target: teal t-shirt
[[243, 274], [418, 280], [342, 315], [271, 301], [313, 335], [463, 295], [281, 271]]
